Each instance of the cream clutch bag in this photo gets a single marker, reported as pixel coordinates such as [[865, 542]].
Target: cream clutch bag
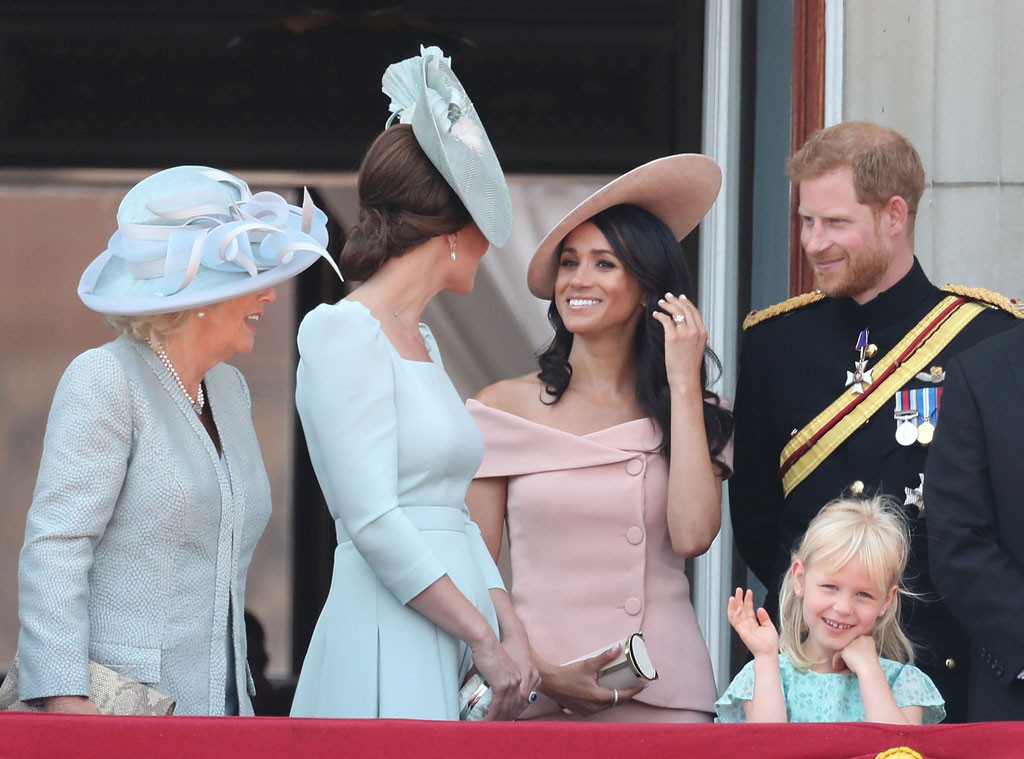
[[110, 691], [632, 666]]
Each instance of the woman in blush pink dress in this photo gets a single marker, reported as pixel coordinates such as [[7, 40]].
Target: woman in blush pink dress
[[607, 465]]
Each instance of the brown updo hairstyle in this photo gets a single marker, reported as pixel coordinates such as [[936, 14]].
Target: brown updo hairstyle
[[403, 202]]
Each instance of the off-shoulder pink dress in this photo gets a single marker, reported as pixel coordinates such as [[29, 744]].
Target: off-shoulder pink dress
[[591, 557]]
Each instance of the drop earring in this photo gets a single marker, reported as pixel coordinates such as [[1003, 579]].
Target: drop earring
[[453, 251]]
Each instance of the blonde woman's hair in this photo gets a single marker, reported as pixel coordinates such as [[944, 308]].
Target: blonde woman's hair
[[153, 328], [871, 530]]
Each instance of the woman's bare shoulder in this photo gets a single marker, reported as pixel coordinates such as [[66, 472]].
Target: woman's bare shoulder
[[519, 395]]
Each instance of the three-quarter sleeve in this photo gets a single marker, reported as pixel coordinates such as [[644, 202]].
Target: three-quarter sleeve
[[86, 450], [345, 394]]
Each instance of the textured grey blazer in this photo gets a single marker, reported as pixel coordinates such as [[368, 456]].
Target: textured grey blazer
[[136, 543]]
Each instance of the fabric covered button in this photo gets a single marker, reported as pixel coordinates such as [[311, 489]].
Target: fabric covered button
[[635, 535], [635, 466], [633, 606]]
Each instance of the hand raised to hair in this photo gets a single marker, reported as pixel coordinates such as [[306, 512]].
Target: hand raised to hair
[[685, 339], [755, 629]]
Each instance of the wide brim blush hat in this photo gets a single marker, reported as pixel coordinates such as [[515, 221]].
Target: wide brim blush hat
[[678, 189], [427, 95], [192, 236]]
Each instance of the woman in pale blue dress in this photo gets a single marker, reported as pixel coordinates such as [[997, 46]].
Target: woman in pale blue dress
[[415, 599]]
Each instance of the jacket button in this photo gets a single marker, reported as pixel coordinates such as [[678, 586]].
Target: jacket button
[[856, 487], [633, 606], [635, 466], [951, 663], [999, 671], [635, 535]]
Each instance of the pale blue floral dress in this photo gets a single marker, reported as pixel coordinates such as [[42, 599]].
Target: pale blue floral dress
[[819, 697]]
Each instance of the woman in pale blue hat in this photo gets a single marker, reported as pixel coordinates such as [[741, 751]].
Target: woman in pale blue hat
[[152, 492], [416, 599]]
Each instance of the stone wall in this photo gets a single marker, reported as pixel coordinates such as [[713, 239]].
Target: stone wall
[[950, 75]]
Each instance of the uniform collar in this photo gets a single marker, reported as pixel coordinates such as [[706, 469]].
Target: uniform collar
[[900, 300]]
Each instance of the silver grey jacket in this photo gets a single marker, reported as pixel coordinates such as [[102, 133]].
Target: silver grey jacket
[[136, 543]]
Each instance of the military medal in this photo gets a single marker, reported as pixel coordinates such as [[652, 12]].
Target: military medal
[[906, 418], [925, 433], [928, 397], [861, 375], [915, 497]]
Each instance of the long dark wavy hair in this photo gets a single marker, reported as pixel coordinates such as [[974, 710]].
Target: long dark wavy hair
[[649, 252]]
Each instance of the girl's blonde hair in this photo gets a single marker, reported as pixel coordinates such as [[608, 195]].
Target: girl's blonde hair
[[872, 530]]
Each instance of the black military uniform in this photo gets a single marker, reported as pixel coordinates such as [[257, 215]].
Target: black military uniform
[[793, 365], [973, 488]]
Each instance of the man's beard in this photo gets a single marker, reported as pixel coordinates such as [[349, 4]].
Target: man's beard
[[860, 273]]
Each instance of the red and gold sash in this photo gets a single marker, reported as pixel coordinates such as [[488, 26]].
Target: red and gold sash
[[828, 430]]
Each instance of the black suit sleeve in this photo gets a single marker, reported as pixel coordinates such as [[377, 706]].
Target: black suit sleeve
[[978, 580], [755, 491]]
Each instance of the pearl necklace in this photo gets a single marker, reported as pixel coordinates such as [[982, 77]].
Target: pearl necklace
[[197, 404]]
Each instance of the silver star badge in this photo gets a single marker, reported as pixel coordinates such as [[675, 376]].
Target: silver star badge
[[915, 497], [857, 379]]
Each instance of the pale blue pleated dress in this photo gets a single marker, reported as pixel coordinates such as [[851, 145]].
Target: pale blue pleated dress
[[394, 450]]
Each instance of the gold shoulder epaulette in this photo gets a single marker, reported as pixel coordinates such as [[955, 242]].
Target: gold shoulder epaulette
[[1010, 305], [797, 301]]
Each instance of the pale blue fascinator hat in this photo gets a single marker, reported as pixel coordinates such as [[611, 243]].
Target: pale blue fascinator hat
[[191, 236], [426, 94]]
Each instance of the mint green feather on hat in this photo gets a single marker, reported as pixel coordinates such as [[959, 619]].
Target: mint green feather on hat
[[426, 94]]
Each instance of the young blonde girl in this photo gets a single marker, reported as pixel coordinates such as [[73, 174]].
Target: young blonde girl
[[843, 656]]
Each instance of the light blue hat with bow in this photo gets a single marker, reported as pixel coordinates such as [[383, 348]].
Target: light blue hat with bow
[[426, 94], [192, 236]]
